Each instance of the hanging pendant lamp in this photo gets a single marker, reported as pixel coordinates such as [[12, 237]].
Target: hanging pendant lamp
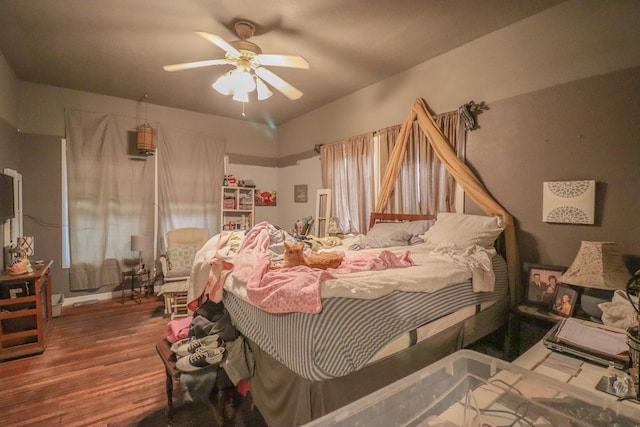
[[146, 142]]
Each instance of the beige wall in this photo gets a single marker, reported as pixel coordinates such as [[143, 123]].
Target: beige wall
[[41, 111], [562, 60], [587, 129], [8, 93], [574, 40], [304, 172]]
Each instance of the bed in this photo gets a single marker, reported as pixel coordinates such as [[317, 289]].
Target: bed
[[373, 326]]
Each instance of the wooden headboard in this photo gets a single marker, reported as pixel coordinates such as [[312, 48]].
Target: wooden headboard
[[377, 217]]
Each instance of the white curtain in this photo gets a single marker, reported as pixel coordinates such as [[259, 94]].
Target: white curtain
[[423, 186], [190, 175], [111, 191], [348, 169], [110, 196]]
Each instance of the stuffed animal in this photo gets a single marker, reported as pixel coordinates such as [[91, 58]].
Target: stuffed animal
[[294, 256], [20, 266]]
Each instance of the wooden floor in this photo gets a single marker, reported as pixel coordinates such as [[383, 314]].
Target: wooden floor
[[100, 368]]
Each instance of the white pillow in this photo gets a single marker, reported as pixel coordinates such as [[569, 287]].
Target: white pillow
[[386, 234], [464, 230], [416, 229]]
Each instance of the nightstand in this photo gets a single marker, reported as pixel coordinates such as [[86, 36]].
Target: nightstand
[[141, 278], [527, 325]]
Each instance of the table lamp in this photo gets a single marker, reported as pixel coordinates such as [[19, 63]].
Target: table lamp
[[21, 253], [139, 244], [599, 269]]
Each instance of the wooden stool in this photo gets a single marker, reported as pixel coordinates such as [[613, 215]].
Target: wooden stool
[[227, 405], [222, 385]]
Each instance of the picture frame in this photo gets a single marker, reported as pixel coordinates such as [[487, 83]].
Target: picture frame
[[300, 193], [265, 198], [541, 283], [565, 300]]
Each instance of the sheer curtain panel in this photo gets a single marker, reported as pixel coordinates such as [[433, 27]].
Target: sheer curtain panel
[[423, 184], [348, 169], [110, 194], [190, 175]]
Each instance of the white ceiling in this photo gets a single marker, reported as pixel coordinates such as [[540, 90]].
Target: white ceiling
[[118, 47]]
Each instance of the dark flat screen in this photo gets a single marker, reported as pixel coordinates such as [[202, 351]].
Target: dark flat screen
[[6, 196]]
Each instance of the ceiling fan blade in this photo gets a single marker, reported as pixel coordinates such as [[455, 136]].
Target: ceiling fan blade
[[287, 89], [218, 41], [293, 61], [198, 64]]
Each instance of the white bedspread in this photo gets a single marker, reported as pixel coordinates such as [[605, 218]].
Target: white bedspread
[[434, 269]]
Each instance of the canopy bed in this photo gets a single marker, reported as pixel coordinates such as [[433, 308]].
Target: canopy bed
[[407, 293]]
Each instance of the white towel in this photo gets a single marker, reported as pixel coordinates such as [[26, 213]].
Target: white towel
[[476, 258]]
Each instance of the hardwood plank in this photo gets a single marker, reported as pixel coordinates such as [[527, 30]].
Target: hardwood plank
[[100, 368]]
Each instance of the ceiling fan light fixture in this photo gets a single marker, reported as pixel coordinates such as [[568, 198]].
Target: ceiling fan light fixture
[[250, 63], [241, 96], [243, 81], [238, 82], [224, 84], [263, 90]]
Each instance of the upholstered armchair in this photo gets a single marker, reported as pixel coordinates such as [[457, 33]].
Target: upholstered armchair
[[181, 245]]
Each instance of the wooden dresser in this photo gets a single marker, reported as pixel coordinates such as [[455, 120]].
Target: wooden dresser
[[25, 312]]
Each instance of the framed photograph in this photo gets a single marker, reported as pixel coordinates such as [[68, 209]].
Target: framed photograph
[[265, 198], [564, 300], [542, 282], [300, 193]]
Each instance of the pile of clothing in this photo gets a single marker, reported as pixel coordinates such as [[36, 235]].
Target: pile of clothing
[[199, 353]]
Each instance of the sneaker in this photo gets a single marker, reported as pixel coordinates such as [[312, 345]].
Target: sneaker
[[190, 345], [176, 345], [202, 358]]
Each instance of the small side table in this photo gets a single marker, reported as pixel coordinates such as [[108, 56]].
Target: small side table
[[138, 279], [580, 373]]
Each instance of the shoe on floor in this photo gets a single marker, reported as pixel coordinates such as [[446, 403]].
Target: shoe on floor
[[190, 345], [202, 358]]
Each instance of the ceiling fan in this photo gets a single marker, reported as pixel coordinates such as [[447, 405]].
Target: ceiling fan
[[247, 57]]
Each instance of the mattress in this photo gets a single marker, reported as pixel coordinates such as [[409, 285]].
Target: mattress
[[351, 332]]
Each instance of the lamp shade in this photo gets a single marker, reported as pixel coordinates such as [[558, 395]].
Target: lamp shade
[[146, 143], [26, 246], [140, 243], [597, 265], [239, 83], [263, 90]]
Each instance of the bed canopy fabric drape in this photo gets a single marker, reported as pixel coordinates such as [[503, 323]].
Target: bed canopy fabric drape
[[463, 175]]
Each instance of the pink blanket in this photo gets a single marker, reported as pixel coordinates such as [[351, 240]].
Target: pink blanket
[[296, 289], [178, 329], [372, 262], [286, 290]]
